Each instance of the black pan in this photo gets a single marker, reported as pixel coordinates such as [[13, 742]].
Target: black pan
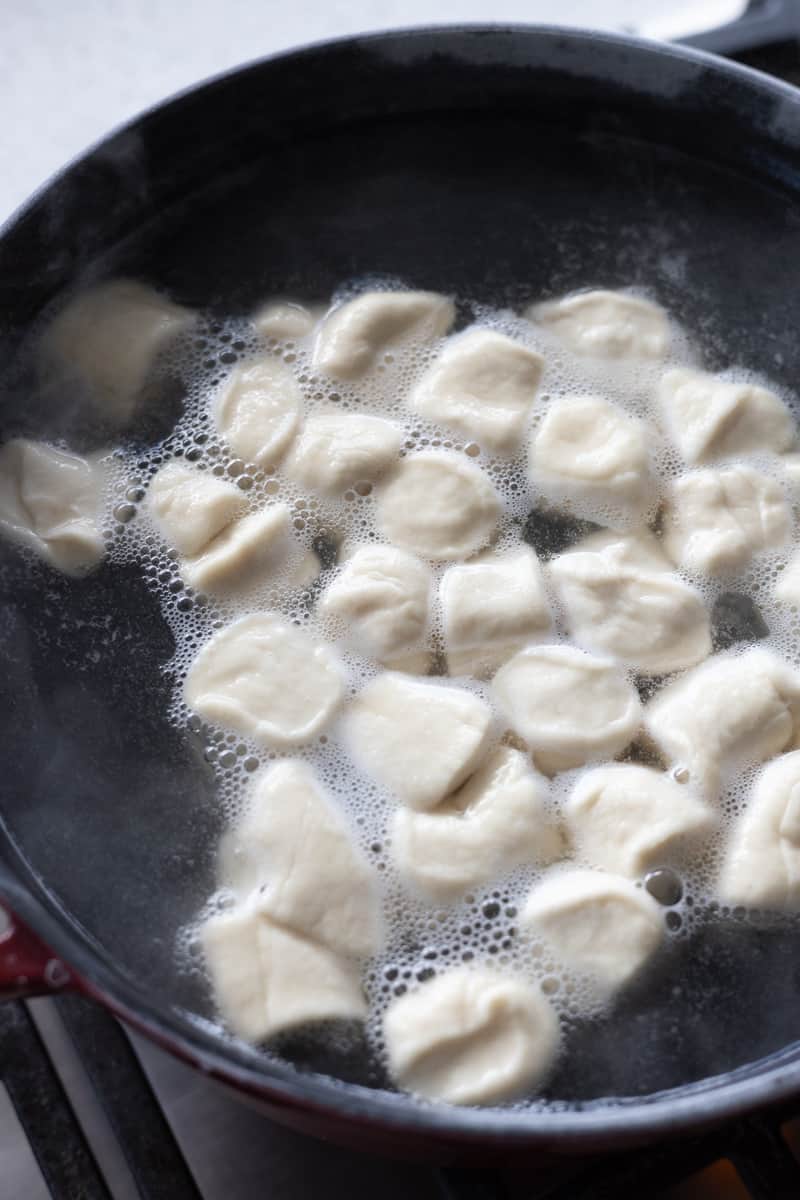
[[505, 164]]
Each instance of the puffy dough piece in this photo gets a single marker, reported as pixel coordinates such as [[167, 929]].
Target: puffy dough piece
[[257, 410], [482, 385], [569, 706], [618, 603], [356, 334], [439, 505], [471, 1037], [382, 593], [627, 818], [787, 585], [248, 546], [281, 319], [590, 450], [731, 709], [49, 501], [294, 849], [420, 740], [492, 607], [190, 507], [708, 417], [110, 336], [716, 520], [267, 979], [606, 324], [335, 450], [596, 923], [495, 821], [762, 864], [267, 679]]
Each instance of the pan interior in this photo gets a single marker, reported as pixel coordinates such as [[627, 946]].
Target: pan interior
[[112, 807]]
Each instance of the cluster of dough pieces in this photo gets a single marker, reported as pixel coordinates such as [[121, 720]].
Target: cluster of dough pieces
[[470, 779]]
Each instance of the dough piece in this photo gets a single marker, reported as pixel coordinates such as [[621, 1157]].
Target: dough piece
[[790, 469], [382, 594], [336, 450], [249, 546], [267, 979], [190, 507], [109, 337], [471, 1037], [606, 324], [716, 521], [257, 410], [49, 502], [482, 385], [787, 585], [492, 607], [708, 417], [356, 334], [587, 450], [495, 821], [419, 740], [438, 504], [762, 865], [282, 320], [569, 706], [732, 709], [267, 679], [293, 857], [627, 818], [618, 602], [596, 923]]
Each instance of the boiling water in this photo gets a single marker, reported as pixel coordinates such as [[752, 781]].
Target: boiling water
[[421, 938]]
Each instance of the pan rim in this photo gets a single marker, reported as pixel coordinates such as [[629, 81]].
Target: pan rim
[[603, 1123]]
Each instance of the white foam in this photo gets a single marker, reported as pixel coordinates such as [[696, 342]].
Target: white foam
[[421, 938]]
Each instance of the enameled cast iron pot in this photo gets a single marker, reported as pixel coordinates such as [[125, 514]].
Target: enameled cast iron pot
[[502, 163]]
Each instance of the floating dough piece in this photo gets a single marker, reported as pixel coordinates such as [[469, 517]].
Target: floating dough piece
[[336, 450], [596, 923], [627, 818], [482, 385], [732, 709], [49, 502], [787, 585], [267, 679], [643, 615], [247, 547], [293, 848], [257, 410], [110, 336], [790, 468], [281, 320], [267, 979], [492, 607], [606, 324], [439, 505], [495, 821], [762, 865], [715, 521], [708, 417], [419, 740], [569, 706], [471, 1037], [356, 334], [588, 450], [382, 593], [190, 507]]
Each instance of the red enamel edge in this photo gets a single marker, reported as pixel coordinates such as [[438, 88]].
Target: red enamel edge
[[27, 967]]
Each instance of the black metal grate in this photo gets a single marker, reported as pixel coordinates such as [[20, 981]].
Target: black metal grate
[[58, 1143]]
